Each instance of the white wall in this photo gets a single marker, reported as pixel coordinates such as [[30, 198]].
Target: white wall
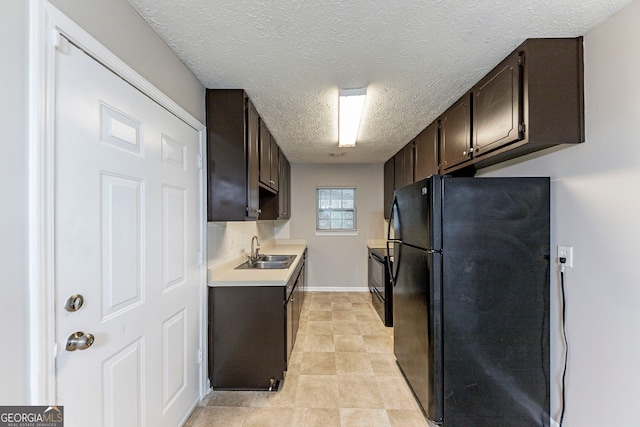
[[120, 28], [117, 25], [596, 209], [14, 358], [226, 240], [337, 261]]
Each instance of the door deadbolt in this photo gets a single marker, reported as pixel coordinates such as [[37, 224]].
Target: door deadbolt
[[74, 303], [79, 341]]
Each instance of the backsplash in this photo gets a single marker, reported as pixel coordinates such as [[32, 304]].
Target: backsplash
[[226, 240]]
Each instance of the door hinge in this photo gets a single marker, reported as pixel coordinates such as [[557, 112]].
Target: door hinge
[[199, 161], [199, 356], [522, 128], [200, 258], [521, 59], [59, 42], [56, 38]]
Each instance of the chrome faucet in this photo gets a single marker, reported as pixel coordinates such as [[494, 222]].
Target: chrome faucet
[[255, 252]]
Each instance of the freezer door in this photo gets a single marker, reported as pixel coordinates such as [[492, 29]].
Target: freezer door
[[417, 218], [417, 328]]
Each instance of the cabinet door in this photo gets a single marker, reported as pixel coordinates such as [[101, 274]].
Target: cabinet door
[[296, 300], [403, 166], [265, 154], [398, 168], [455, 134], [388, 186], [426, 152], [253, 198], [497, 108], [246, 336], [407, 153], [289, 331], [284, 187], [274, 160], [230, 129]]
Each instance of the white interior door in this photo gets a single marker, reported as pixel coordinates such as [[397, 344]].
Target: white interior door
[[126, 239]]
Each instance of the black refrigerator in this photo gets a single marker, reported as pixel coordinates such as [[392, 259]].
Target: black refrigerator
[[471, 298]]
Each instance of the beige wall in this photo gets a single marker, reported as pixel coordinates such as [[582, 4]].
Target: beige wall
[[596, 209], [337, 261]]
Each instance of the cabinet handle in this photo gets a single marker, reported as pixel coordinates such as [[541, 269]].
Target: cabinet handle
[[477, 149], [464, 153], [258, 210]]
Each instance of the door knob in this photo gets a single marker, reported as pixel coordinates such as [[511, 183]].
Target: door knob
[[79, 341], [74, 303]]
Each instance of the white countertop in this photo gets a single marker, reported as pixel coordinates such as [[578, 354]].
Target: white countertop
[[226, 274]]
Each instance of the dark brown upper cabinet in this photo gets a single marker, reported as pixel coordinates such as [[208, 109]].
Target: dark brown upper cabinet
[[532, 100], [275, 164], [284, 188], [232, 160], [388, 186], [268, 158], [455, 133], [497, 115], [426, 153], [403, 166], [407, 152]]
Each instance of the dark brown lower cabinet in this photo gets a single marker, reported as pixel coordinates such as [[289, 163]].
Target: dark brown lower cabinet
[[246, 337], [252, 330]]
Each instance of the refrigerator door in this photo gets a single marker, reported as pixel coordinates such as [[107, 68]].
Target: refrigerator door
[[495, 300], [417, 215], [417, 328]]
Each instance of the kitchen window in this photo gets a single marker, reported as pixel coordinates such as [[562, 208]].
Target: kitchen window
[[336, 209]]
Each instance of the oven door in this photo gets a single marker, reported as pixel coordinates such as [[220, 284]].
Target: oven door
[[377, 274], [380, 288]]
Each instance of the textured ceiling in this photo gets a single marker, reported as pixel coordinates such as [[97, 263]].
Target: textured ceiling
[[415, 57]]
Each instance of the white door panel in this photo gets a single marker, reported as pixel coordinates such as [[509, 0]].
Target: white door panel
[[127, 239]]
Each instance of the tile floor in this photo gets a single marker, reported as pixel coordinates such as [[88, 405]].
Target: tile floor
[[342, 373]]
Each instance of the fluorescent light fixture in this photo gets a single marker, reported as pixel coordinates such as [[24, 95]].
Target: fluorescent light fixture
[[350, 109]]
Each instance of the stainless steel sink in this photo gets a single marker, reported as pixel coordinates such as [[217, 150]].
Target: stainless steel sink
[[277, 258], [269, 262]]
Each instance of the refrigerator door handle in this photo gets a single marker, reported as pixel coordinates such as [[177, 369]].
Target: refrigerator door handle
[[392, 219], [393, 267], [389, 267]]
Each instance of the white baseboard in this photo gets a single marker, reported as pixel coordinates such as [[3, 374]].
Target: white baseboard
[[336, 289]]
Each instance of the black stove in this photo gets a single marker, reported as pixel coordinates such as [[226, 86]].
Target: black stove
[[380, 284]]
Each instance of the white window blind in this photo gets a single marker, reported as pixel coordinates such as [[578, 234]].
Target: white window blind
[[336, 209]]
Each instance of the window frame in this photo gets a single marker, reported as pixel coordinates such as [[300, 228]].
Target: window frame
[[341, 231]]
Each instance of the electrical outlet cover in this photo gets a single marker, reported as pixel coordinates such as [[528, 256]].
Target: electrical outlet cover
[[566, 252]]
